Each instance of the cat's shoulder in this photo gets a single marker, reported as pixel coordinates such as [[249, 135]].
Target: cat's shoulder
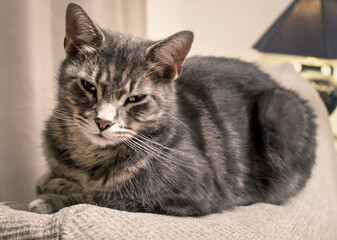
[[229, 68], [224, 74], [220, 64], [216, 60]]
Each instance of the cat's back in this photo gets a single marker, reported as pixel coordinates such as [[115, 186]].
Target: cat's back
[[225, 73], [222, 87]]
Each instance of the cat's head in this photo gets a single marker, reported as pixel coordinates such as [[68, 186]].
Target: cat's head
[[116, 86]]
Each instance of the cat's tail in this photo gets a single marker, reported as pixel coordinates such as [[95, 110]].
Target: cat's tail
[[288, 141]]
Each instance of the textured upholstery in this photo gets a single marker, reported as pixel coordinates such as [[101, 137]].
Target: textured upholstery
[[312, 214]]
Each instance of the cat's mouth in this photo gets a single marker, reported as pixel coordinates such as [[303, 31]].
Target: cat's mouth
[[101, 136], [104, 140]]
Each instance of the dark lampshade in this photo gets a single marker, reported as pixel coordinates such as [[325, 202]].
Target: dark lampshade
[[307, 28]]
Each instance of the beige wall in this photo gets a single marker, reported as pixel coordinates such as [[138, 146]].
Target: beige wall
[[221, 27]]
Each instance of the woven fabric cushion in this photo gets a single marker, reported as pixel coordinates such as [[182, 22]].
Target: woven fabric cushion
[[312, 214]]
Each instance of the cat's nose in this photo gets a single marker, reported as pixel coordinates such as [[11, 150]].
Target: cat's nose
[[103, 124]]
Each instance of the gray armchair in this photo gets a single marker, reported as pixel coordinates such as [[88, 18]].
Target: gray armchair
[[312, 214]]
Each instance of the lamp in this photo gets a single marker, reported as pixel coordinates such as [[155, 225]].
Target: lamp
[[307, 28]]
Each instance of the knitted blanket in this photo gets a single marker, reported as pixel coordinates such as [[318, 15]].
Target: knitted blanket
[[312, 214]]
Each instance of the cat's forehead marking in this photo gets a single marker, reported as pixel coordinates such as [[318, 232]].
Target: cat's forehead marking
[[119, 94], [105, 73], [126, 85], [125, 77], [111, 70], [131, 85], [99, 92], [102, 76], [93, 70]]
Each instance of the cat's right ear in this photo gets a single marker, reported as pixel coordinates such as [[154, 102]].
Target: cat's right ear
[[82, 34], [167, 57]]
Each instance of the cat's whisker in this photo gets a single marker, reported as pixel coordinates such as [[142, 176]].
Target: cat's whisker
[[161, 155], [145, 154], [150, 150], [181, 153], [74, 126], [139, 150], [70, 118], [154, 149], [151, 154], [64, 114], [179, 121]]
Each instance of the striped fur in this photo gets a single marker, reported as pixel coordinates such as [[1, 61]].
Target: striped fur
[[217, 134]]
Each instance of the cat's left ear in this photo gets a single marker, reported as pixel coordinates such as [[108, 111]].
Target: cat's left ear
[[167, 56], [82, 34]]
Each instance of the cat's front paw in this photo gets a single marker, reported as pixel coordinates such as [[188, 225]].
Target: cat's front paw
[[45, 204], [41, 206], [61, 186]]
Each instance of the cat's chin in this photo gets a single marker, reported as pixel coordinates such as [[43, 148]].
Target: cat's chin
[[102, 141]]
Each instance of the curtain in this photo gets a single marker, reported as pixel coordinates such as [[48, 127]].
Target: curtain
[[31, 48]]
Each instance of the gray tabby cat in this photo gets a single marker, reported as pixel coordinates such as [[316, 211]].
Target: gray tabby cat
[[134, 131]]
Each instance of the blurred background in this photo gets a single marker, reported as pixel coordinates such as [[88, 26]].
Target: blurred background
[[31, 49]]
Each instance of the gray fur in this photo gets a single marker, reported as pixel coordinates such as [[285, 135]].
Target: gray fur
[[216, 134]]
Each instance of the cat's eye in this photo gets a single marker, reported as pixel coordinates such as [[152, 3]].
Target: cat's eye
[[88, 86], [135, 99]]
